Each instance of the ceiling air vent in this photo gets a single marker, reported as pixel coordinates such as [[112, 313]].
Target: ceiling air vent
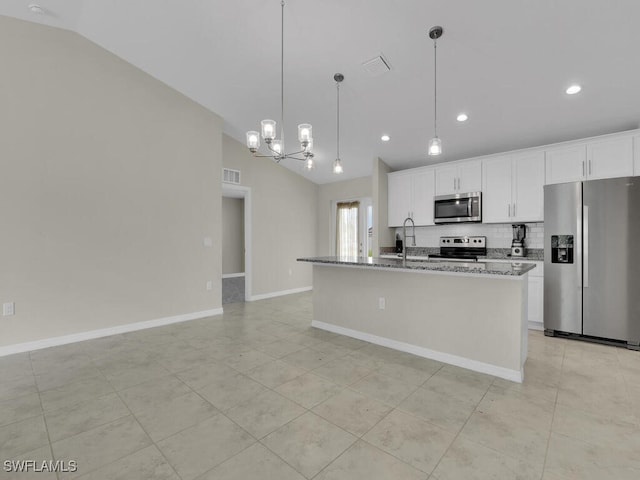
[[376, 66], [231, 176]]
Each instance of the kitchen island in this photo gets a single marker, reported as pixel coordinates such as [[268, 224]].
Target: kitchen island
[[472, 315]]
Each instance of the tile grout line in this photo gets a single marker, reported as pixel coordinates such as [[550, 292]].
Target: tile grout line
[[553, 417]]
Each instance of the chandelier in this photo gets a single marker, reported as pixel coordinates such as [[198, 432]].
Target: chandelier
[[269, 132]]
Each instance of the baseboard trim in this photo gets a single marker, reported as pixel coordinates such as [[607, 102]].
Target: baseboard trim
[[506, 373], [536, 326], [104, 332], [263, 296]]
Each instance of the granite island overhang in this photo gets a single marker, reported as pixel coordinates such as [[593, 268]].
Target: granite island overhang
[[472, 315]]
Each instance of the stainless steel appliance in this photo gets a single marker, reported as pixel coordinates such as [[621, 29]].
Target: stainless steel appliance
[[592, 260], [458, 208], [517, 244], [464, 249]]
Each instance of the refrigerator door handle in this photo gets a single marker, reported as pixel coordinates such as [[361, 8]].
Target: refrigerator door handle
[[585, 243], [578, 245]]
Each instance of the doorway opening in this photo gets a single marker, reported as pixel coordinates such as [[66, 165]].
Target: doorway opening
[[236, 243], [352, 229]]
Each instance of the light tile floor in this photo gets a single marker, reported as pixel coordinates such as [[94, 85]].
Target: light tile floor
[[257, 393]]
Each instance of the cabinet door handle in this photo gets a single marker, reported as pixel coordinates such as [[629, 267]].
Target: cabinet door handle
[[458, 183], [589, 167], [508, 210], [583, 171], [514, 209]]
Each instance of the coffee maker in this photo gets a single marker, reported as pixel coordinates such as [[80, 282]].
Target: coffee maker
[[517, 244]]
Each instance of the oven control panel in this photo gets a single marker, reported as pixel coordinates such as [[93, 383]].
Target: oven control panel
[[464, 242]]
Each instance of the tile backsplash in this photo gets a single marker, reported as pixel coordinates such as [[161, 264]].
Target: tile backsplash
[[499, 235]]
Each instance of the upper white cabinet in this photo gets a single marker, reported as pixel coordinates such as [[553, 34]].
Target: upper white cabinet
[[411, 195], [459, 177], [512, 188], [606, 158], [565, 164], [610, 158], [399, 195]]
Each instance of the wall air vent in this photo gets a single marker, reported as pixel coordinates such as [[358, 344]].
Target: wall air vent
[[376, 66], [231, 176]]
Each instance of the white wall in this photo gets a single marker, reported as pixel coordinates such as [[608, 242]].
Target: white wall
[[284, 220], [232, 235], [329, 193], [109, 180]]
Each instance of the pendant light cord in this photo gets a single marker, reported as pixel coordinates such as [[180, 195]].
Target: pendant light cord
[[338, 120], [282, 77], [435, 87]]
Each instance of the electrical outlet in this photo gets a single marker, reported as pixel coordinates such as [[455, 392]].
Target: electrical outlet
[[209, 285], [8, 309], [382, 303], [207, 242]]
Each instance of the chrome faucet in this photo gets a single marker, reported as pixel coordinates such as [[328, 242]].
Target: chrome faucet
[[405, 236]]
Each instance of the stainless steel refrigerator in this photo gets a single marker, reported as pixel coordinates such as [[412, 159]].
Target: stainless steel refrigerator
[[592, 260]]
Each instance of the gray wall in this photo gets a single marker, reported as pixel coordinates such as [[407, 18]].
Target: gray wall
[[329, 193], [284, 220], [109, 181], [232, 235]]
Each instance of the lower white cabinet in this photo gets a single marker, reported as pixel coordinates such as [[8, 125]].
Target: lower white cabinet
[[536, 302]]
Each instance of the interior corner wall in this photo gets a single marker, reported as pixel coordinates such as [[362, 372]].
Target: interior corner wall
[[383, 236], [232, 235], [283, 220], [109, 181], [327, 194]]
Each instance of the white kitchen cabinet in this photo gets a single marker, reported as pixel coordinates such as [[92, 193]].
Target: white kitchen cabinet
[[565, 164], [399, 198], [535, 306], [410, 194], [591, 160], [512, 188], [610, 158], [423, 192], [461, 177]]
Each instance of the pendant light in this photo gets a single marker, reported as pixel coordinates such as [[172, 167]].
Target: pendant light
[[269, 130], [435, 144], [337, 163]]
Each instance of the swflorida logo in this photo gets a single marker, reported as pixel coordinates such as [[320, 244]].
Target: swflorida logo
[[22, 466]]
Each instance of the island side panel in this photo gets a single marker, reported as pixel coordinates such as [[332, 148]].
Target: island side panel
[[470, 317]]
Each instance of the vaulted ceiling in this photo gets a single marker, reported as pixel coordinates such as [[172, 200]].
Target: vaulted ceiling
[[506, 63]]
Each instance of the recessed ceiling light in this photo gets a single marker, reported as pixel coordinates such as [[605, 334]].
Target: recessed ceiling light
[[36, 9], [573, 89], [463, 117], [385, 138]]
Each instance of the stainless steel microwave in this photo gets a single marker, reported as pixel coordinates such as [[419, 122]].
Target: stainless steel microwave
[[458, 208]]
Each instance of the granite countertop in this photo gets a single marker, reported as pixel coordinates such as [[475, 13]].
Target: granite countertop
[[515, 269]]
